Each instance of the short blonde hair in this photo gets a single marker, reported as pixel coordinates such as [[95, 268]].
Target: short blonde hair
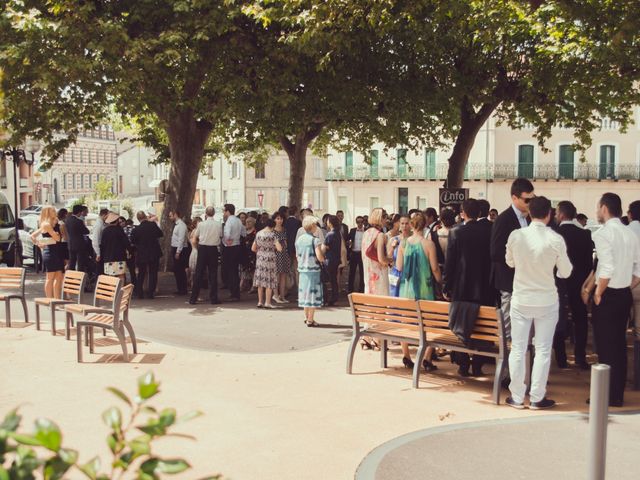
[[250, 221], [376, 217], [308, 222], [48, 214]]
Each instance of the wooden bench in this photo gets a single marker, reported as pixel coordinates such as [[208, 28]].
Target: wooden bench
[[424, 324], [12, 281], [105, 300], [72, 286], [117, 321]]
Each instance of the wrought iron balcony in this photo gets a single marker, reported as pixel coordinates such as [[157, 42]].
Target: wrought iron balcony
[[577, 171]]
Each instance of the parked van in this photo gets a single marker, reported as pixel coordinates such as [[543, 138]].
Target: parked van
[[7, 231]]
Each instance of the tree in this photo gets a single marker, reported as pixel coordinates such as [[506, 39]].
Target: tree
[[451, 64], [173, 62], [104, 189]]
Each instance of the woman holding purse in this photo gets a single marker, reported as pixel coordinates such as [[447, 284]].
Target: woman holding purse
[[375, 262]]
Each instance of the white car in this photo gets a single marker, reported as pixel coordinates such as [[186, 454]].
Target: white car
[[32, 210], [29, 250]]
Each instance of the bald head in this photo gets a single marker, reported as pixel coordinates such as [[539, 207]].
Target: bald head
[[210, 212]]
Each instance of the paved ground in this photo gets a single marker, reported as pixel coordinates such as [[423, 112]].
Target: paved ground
[[267, 416], [525, 448]]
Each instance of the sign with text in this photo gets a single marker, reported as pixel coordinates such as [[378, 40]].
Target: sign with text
[[453, 198]]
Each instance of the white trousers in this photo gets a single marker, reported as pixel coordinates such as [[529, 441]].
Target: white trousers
[[544, 319]]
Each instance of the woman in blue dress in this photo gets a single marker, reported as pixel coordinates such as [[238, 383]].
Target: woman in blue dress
[[401, 231], [309, 255]]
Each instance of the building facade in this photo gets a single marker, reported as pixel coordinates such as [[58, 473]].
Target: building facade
[[135, 170], [25, 181], [398, 179], [75, 173]]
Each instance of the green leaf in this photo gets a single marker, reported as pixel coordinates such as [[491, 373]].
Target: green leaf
[[48, 434], [90, 469], [4, 475], [147, 386], [121, 395], [140, 445], [68, 455], [25, 439], [167, 417], [153, 429], [113, 418], [189, 416], [154, 466], [55, 468], [11, 421]]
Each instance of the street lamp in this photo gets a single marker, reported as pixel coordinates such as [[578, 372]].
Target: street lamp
[[18, 155]]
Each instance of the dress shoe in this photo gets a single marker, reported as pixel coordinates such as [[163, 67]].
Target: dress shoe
[[542, 404], [512, 403], [407, 362], [428, 366], [463, 372]]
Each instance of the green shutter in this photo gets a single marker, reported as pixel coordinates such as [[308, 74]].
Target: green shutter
[[373, 169], [565, 164], [525, 161], [430, 163], [607, 162], [348, 164], [402, 162]]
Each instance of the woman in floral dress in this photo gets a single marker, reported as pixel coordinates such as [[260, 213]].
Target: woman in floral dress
[[265, 278], [376, 273]]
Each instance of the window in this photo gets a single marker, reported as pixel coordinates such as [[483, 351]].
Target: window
[[72, 152], [421, 202], [86, 181], [317, 168], [401, 160], [283, 197], [403, 200], [348, 164], [525, 161], [430, 163], [373, 168], [374, 202], [343, 203], [607, 164], [259, 171], [565, 161], [318, 199], [225, 196]]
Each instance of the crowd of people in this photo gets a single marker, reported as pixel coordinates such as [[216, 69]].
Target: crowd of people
[[538, 264]]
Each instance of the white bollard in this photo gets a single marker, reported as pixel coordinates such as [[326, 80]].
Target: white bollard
[[598, 418]]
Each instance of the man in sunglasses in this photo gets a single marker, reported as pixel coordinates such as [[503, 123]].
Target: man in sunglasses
[[513, 218]]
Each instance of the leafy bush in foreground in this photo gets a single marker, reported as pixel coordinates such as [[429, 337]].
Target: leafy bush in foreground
[[41, 454]]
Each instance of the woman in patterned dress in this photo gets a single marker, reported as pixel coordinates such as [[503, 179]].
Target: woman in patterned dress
[[283, 261], [309, 255], [113, 248], [376, 273], [265, 278]]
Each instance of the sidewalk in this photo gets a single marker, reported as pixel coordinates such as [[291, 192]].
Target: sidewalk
[[293, 415]]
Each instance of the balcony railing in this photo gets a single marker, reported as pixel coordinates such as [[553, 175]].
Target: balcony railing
[[579, 171]]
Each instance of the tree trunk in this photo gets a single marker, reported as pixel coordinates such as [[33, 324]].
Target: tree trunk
[[187, 139], [470, 124], [297, 154]]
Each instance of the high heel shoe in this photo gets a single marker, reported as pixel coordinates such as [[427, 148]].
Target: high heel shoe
[[428, 366], [407, 363]]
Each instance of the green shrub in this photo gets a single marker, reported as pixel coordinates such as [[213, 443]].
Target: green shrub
[[130, 440]]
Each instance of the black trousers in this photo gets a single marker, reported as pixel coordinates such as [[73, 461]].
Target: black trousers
[[207, 260], [131, 266], [332, 271], [179, 268], [562, 328], [580, 322], [231, 265], [355, 263], [610, 320], [79, 261], [144, 268]]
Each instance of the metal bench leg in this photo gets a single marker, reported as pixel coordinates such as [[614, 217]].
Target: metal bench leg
[[53, 320], [497, 380], [79, 344], [352, 351], [384, 348], [132, 335], [7, 309], [67, 329], [418, 364], [37, 317], [636, 365], [90, 338], [24, 307]]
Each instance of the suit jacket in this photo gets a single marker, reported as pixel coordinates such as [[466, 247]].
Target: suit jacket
[[580, 252], [76, 231], [146, 239], [501, 273], [467, 269]]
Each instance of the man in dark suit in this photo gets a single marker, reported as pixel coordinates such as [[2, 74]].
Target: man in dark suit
[[468, 268], [354, 246], [77, 241], [580, 251], [514, 217], [146, 238]]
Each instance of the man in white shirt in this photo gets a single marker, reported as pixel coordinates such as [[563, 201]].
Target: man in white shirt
[[180, 251], [618, 252], [534, 252], [233, 231], [96, 238], [634, 226], [206, 239], [355, 256]]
